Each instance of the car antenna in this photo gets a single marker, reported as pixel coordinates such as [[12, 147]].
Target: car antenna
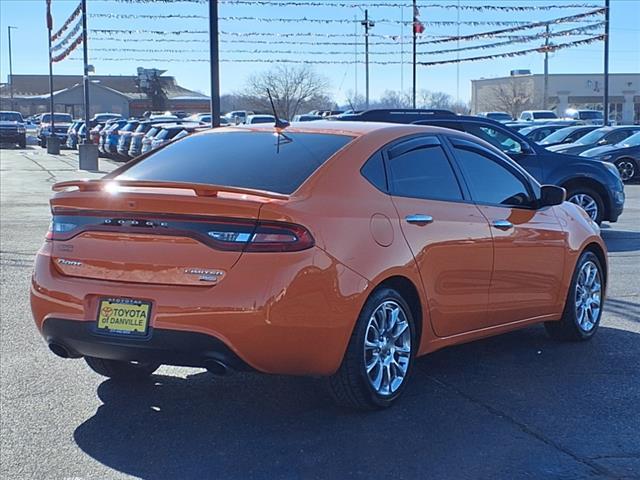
[[280, 124]]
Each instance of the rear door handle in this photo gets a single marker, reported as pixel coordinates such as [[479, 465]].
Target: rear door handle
[[419, 219], [502, 224]]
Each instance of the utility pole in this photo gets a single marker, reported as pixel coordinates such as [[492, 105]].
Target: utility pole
[[545, 100], [87, 152], [415, 33], [607, 6], [10, 68], [85, 78], [214, 63], [367, 25], [53, 143]]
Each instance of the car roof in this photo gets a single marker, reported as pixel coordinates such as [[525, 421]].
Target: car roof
[[353, 129]]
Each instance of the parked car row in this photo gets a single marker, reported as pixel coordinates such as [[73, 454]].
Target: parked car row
[[617, 145]]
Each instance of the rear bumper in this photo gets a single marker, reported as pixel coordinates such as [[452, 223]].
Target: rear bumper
[[186, 349], [288, 315]]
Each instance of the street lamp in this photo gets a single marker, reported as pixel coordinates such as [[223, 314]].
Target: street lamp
[[10, 67]]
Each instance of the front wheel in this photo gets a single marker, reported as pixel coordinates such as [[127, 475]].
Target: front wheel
[[583, 309], [589, 200], [627, 168], [379, 358], [121, 370]]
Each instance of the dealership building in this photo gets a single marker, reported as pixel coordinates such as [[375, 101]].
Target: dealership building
[[523, 91], [117, 94]]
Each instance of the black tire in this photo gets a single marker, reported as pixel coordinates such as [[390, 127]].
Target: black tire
[[584, 190], [43, 142], [22, 143], [350, 386], [627, 167], [568, 328], [120, 370]]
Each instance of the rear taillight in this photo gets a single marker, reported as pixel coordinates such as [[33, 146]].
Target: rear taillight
[[265, 237], [221, 233]]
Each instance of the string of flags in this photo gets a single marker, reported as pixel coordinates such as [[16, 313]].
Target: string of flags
[[358, 4], [76, 13], [73, 37], [541, 49]]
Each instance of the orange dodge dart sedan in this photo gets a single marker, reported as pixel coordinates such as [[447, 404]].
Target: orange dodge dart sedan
[[335, 249]]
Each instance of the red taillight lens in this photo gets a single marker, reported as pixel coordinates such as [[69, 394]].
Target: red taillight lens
[[273, 237], [265, 237]]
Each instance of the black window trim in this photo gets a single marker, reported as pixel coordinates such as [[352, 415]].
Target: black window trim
[[415, 142], [481, 150]]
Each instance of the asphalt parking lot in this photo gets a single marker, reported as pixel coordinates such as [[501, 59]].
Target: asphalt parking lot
[[518, 406]]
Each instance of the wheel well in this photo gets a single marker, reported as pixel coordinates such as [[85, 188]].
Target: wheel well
[[593, 185], [598, 252], [409, 292]]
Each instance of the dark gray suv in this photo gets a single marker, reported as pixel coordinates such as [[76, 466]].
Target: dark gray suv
[[593, 184]]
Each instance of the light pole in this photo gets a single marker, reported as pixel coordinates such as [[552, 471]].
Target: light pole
[[367, 24], [214, 63], [545, 100], [10, 68], [607, 6]]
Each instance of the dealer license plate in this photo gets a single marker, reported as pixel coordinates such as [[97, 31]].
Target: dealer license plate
[[124, 316]]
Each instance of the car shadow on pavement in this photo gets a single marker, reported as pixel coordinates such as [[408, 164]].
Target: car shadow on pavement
[[623, 308], [621, 241], [514, 406]]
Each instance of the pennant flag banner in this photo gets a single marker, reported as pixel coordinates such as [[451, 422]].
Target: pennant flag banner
[[76, 13], [70, 35], [359, 4], [543, 49], [69, 49], [549, 48]]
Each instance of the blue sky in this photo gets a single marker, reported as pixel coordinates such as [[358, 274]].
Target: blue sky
[[30, 41]]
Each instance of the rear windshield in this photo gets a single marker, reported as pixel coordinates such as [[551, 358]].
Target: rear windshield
[[498, 116], [129, 127], [591, 115], [10, 117], [593, 137], [57, 117], [258, 160], [538, 115], [557, 136]]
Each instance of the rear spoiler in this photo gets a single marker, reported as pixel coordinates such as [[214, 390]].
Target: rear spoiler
[[200, 189]]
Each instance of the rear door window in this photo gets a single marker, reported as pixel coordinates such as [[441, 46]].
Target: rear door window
[[257, 160], [423, 172]]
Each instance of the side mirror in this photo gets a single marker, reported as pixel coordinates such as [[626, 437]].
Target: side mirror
[[551, 195]]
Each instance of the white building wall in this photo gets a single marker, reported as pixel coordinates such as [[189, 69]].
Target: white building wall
[[568, 90]]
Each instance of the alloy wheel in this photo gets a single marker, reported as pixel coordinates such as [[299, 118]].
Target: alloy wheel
[[588, 204], [387, 348], [627, 169], [588, 296]]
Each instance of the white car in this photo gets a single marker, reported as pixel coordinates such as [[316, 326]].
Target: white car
[[253, 119], [537, 116]]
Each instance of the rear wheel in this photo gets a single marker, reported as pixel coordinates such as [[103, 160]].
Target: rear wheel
[[590, 201], [22, 143], [380, 354], [582, 312], [121, 370], [627, 168]]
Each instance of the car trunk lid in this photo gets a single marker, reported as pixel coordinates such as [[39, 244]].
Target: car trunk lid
[[167, 233]]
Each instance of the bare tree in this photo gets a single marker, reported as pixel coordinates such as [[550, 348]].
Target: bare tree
[[294, 89], [393, 99], [512, 97]]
